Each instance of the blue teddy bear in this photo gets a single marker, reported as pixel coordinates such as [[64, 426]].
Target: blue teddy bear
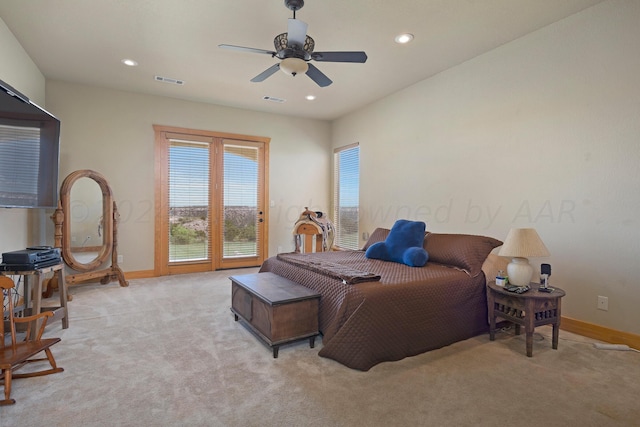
[[403, 244]]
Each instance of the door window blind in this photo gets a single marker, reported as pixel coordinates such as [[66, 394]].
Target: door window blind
[[189, 189], [240, 196]]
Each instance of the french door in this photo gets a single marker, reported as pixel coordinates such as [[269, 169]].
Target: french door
[[210, 200]]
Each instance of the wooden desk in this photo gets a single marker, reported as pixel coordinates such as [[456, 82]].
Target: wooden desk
[[33, 291], [530, 309]]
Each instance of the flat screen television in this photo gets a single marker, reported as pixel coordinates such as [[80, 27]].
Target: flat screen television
[[29, 152]]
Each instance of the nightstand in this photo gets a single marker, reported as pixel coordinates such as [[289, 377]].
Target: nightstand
[[529, 309]]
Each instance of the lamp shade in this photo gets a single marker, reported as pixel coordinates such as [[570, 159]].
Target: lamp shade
[[293, 66], [520, 244], [523, 243]]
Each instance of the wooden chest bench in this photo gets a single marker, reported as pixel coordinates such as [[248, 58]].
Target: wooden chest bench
[[276, 309]]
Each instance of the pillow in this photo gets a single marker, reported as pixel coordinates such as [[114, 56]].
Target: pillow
[[378, 235], [463, 251], [402, 245]]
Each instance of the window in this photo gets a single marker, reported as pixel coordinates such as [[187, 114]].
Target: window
[[346, 196]]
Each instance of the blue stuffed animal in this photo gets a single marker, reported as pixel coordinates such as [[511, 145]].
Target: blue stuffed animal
[[403, 244]]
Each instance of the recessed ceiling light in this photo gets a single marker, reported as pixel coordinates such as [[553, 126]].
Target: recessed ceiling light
[[310, 97], [129, 62], [404, 38]]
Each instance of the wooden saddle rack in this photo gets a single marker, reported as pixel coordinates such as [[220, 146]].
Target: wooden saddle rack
[[313, 232]]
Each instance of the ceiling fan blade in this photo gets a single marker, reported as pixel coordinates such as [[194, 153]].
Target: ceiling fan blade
[[266, 73], [318, 76], [246, 49], [359, 57], [296, 33]]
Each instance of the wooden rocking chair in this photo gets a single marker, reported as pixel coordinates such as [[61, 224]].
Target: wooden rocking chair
[[17, 353]]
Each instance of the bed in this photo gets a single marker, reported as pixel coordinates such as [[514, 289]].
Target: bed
[[372, 311]]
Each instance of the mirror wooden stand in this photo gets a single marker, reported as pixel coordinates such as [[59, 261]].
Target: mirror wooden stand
[[98, 220]]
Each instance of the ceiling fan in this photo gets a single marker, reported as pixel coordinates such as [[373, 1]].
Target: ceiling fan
[[295, 49]]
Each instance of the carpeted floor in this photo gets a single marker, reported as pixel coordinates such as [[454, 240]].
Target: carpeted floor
[[167, 352]]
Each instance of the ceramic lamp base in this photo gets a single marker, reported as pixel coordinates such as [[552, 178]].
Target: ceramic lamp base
[[519, 271]]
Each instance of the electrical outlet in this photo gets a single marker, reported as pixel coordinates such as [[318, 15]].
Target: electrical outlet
[[120, 259], [279, 249], [603, 303]]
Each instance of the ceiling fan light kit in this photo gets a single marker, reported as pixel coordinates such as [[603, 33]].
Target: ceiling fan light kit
[[295, 49], [293, 66]]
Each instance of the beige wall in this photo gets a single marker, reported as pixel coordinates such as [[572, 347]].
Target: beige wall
[[111, 132], [17, 68], [541, 132], [21, 227]]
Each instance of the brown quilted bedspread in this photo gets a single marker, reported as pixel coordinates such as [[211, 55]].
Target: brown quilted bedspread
[[410, 310]]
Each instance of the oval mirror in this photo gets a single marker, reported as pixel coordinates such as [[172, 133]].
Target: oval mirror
[[85, 220], [87, 201]]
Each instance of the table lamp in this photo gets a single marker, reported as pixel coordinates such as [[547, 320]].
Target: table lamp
[[520, 244]]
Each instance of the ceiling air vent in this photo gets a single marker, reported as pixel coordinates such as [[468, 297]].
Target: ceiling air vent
[[273, 99], [169, 80]]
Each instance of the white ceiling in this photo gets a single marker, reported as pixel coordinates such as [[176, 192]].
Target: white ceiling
[[83, 41]]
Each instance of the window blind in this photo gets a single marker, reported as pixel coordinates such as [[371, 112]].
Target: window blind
[[189, 228], [241, 194], [346, 196]]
